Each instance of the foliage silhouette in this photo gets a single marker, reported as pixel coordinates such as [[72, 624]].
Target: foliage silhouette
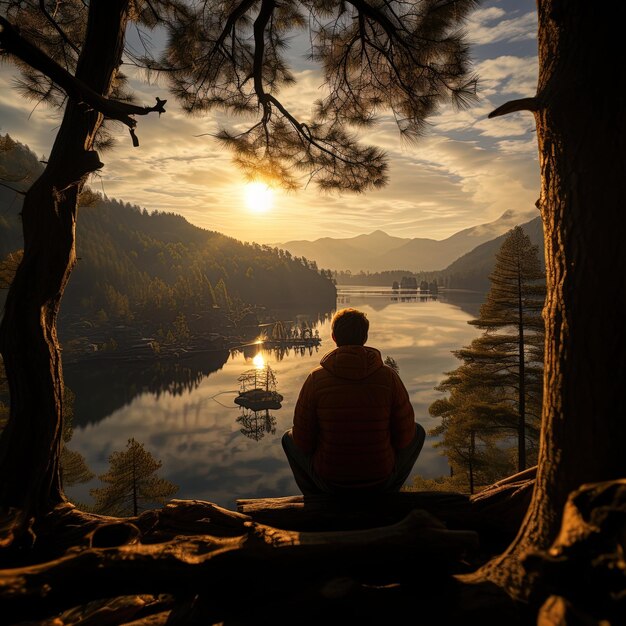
[[131, 483], [497, 390]]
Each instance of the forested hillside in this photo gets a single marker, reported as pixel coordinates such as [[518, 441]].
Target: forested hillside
[[472, 270], [159, 271]]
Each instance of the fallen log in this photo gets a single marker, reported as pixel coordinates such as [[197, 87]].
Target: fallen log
[[331, 512], [496, 512]]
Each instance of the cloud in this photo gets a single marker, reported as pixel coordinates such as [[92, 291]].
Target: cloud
[[491, 25], [31, 124], [509, 74]]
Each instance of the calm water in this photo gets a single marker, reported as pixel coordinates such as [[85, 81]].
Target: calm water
[[184, 413]]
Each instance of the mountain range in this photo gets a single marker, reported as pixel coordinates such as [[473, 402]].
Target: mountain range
[[378, 251]]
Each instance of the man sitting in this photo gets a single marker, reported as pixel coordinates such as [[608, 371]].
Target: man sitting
[[354, 427]]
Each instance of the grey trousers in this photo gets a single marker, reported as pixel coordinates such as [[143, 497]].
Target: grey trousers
[[310, 483]]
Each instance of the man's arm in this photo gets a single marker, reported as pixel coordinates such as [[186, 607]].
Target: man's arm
[[402, 415], [304, 430]]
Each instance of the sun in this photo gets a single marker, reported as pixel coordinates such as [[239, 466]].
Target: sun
[[259, 197], [259, 361]]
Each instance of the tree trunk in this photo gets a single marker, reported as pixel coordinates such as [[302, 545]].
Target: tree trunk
[[521, 426], [581, 118], [471, 459], [30, 483]]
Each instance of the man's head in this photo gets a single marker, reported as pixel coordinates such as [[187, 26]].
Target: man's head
[[349, 327]]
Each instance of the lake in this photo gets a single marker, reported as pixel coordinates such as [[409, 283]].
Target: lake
[[184, 411]]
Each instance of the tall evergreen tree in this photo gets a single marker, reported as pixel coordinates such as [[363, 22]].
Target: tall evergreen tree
[[515, 330], [473, 421], [131, 483], [498, 388]]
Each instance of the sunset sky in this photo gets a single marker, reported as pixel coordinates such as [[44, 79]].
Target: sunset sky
[[466, 171]]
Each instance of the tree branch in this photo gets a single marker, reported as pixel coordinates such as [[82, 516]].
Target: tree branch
[[376, 15], [13, 43], [265, 13], [237, 13], [53, 22], [524, 104]]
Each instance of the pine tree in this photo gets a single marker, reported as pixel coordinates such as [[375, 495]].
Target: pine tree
[[515, 330], [131, 483], [392, 363], [181, 328], [221, 295], [473, 420], [498, 388], [74, 468]]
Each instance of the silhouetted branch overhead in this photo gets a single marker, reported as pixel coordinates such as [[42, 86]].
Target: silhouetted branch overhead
[[13, 43], [403, 57], [56, 26], [376, 56], [398, 55], [523, 104]]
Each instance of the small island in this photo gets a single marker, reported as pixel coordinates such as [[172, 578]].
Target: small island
[[257, 389]]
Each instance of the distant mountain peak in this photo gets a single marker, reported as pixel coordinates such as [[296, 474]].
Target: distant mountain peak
[[519, 217], [379, 251], [378, 234], [497, 227]]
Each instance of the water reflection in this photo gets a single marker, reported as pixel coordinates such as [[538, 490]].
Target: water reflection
[[382, 299], [104, 385], [379, 298], [215, 450], [274, 352], [256, 424]]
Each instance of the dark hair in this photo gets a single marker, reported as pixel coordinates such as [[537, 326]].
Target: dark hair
[[350, 327]]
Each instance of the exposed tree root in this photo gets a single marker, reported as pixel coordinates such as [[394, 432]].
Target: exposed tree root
[[372, 561]]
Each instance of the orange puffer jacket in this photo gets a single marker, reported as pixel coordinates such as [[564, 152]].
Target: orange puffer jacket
[[351, 414]]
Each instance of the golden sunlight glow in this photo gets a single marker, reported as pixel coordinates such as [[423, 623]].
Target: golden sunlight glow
[[259, 361], [259, 197]]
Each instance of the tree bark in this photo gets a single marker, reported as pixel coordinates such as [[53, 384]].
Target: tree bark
[[30, 483], [581, 121], [521, 426]]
